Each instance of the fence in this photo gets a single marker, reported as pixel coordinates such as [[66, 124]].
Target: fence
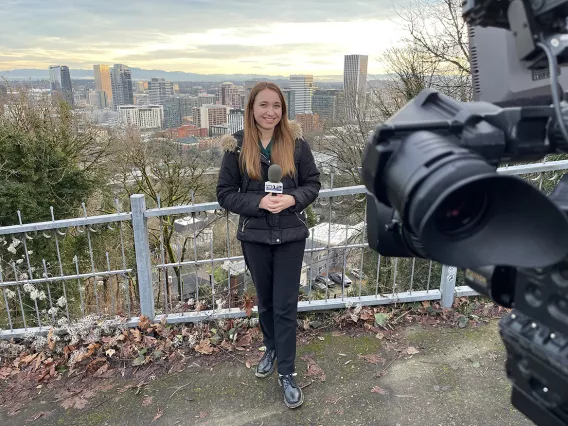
[[141, 248]]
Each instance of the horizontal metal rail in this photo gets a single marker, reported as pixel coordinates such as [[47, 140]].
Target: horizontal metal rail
[[209, 315], [66, 277], [237, 258], [324, 193], [65, 223]]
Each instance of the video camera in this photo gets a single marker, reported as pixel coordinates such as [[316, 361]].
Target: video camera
[[435, 193]]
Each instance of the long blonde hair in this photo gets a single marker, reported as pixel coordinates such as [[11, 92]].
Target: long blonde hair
[[283, 142]]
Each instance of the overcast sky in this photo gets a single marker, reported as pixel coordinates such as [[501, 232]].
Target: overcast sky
[[203, 36]]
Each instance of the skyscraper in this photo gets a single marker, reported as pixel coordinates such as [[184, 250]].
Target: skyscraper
[[303, 87], [121, 81], [354, 81], [160, 89], [61, 83], [103, 83]]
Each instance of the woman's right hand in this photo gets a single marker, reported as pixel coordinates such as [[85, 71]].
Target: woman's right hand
[[266, 202]]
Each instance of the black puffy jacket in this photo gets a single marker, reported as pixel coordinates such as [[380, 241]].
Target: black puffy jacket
[[239, 194]]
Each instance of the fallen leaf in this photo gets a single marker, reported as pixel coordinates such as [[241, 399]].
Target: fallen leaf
[[147, 401], [245, 340], [110, 352], [144, 322], [204, 347], [38, 415], [313, 368], [475, 364], [137, 334], [103, 369], [77, 402], [226, 345], [138, 361], [159, 414], [381, 318], [380, 336], [373, 358], [5, 372], [379, 390], [411, 350]]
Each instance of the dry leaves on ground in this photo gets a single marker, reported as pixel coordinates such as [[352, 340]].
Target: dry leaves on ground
[[379, 390], [159, 414], [313, 368], [77, 400], [411, 350]]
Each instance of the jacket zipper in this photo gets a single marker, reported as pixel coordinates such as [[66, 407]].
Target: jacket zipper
[[298, 216], [245, 224]]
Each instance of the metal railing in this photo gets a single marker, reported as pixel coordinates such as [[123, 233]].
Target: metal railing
[[184, 264]]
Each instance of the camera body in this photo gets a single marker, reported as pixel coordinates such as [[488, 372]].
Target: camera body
[[434, 192]]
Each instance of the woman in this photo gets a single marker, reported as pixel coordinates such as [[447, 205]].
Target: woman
[[272, 229]]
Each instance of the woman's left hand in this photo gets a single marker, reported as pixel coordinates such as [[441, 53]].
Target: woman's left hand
[[281, 202]]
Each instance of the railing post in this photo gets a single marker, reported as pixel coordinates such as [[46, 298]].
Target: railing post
[[448, 285], [142, 249]]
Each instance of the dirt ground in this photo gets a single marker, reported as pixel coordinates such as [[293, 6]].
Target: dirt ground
[[426, 376]]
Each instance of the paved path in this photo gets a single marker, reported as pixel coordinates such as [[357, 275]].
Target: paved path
[[456, 378]]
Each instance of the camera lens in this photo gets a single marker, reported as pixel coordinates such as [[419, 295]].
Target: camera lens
[[461, 211]]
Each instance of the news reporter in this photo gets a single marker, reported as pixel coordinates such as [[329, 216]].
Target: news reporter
[[273, 249]]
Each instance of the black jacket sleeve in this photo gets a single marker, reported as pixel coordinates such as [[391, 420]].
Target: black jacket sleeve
[[308, 179], [228, 189]]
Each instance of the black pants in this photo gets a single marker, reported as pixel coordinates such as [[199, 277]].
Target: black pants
[[276, 271]]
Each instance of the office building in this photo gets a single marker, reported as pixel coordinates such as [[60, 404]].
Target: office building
[[103, 83], [303, 87], [60, 80], [354, 82], [144, 117], [159, 90], [121, 82]]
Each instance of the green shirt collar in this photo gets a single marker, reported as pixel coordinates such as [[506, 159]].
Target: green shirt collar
[[265, 151]]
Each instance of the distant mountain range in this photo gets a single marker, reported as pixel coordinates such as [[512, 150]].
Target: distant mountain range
[[142, 74]]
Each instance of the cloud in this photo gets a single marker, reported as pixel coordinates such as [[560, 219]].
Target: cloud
[[194, 35]]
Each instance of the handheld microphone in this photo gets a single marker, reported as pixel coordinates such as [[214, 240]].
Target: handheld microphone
[[274, 185]]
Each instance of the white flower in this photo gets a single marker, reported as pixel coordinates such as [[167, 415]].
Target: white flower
[[348, 304], [24, 276], [62, 321], [53, 311], [36, 294], [28, 288], [61, 302], [30, 252], [11, 249], [220, 303], [19, 261], [100, 282], [9, 293]]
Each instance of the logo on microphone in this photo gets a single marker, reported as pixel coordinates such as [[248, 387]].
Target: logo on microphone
[[277, 188]]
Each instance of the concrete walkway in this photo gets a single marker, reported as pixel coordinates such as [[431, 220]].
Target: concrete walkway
[[456, 378]]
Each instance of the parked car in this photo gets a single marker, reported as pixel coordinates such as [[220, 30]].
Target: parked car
[[357, 273], [336, 277], [322, 282]]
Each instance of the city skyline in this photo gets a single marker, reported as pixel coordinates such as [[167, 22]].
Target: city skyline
[[215, 37]]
